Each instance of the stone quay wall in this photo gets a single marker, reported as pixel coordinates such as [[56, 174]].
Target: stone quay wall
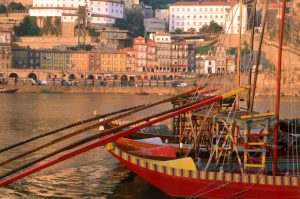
[[266, 85]]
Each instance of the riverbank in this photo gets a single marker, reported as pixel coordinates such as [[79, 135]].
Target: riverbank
[[266, 85], [90, 89], [132, 90]]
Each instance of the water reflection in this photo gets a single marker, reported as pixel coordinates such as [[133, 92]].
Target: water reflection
[[91, 175]]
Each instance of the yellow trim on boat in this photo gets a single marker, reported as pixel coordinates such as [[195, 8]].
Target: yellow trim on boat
[[277, 180], [234, 92], [294, 181], [262, 179], [270, 180], [245, 178], [187, 166], [257, 115], [286, 180], [236, 177]]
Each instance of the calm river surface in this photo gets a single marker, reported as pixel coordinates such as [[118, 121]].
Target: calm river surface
[[94, 174]]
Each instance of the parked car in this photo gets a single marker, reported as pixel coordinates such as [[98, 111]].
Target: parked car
[[102, 83], [183, 84], [179, 84], [42, 82]]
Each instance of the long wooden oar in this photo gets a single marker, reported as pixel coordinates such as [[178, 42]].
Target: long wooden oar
[[90, 120], [91, 138], [110, 138], [67, 127], [143, 107]]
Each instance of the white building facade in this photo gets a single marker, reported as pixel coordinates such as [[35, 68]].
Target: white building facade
[[99, 11], [194, 15]]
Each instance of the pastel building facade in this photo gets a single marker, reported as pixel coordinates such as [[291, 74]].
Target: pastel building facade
[[5, 49]]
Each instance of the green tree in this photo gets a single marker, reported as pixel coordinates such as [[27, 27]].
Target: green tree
[[47, 26], [215, 27], [57, 26], [2, 8], [204, 29], [133, 21], [178, 31], [87, 47], [13, 6], [192, 30], [158, 3], [28, 27]]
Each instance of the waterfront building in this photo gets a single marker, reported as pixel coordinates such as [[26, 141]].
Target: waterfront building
[[163, 43], [191, 58], [162, 54], [5, 49], [79, 60], [154, 25], [140, 48], [194, 15], [54, 59], [20, 58], [94, 60], [179, 56], [113, 61], [34, 59], [131, 61], [101, 12], [151, 61]]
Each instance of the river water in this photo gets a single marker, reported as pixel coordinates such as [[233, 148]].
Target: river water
[[95, 174]]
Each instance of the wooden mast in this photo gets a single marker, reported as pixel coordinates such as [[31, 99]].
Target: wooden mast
[[278, 80], [251, 52], [239, 53]]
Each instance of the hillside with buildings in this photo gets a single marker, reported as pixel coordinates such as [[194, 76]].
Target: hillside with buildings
[[183, 38]]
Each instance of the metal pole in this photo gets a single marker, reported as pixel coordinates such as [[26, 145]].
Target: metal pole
[[258, 58], [239, 53], [278, 80]]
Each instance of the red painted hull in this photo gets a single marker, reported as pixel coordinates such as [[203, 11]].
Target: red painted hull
[[196, 188]]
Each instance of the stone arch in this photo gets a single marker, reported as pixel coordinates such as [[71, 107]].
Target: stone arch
[[91, 77], [131, 81], [13, 75], [124, 80], [32, 76], [116, 77], [72, 77], [1, 74], [146, 77]]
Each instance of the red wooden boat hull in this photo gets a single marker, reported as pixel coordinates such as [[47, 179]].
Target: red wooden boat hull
[[196, 187]]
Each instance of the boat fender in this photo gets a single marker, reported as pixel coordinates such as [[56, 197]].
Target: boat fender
[[181, 145], [166, 141]]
